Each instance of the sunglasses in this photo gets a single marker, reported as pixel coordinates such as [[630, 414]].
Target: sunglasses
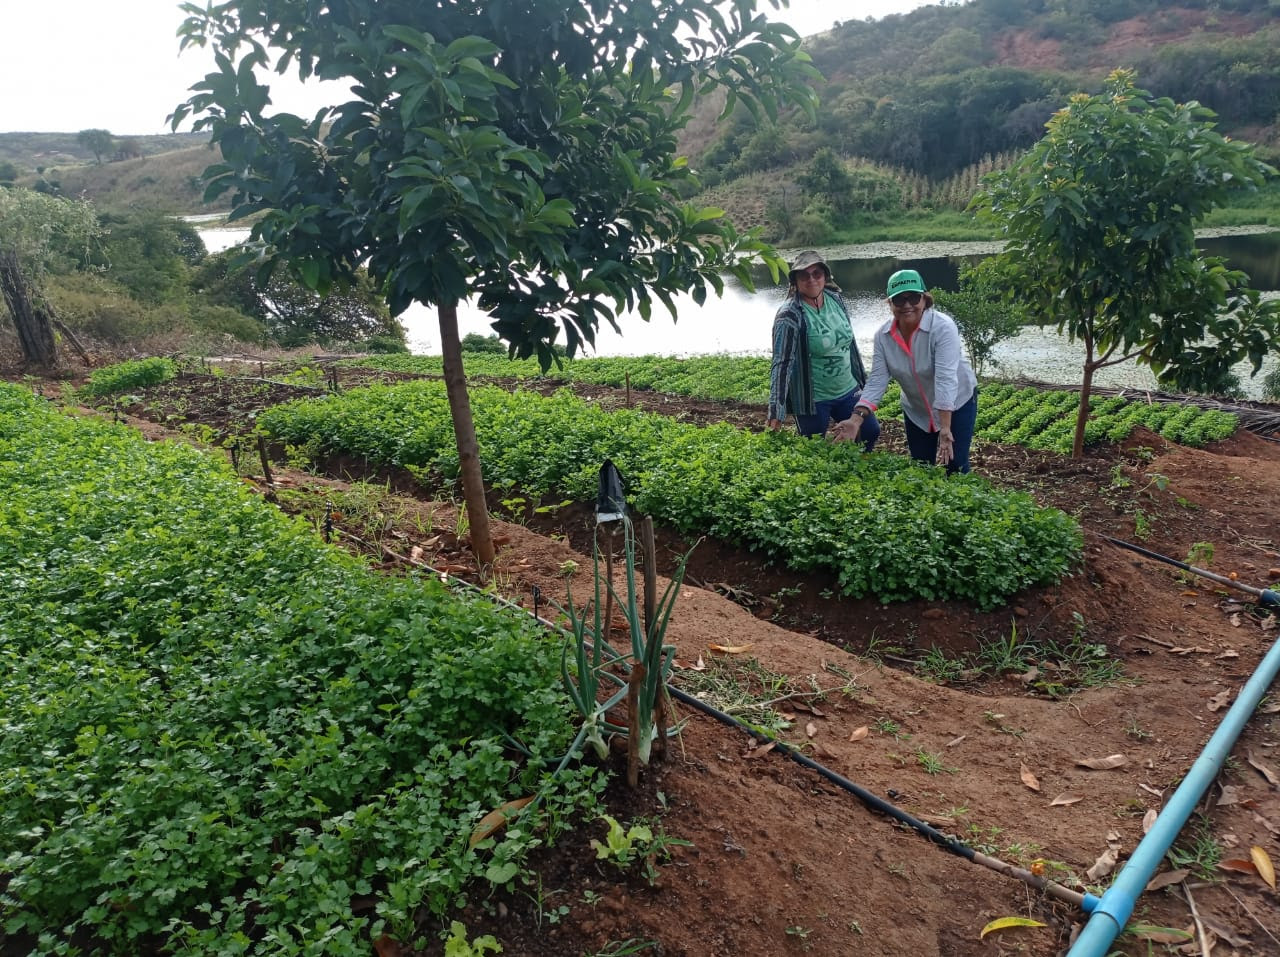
[[813, 275], [905, 299]]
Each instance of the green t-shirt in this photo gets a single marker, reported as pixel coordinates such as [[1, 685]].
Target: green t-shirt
[[830, 339]]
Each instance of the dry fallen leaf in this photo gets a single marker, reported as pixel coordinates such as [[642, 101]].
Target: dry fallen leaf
[[1161, 935], [1103, 764], [1220, 700], [1267, 824], [1104, 865], [729, 649], [1230, 795], [1066, 797], [1029, 779], [1235, 940], [1149, 820], [1238, 864], [954, 741], [497, 819], [1262, 861], [386, 946], [1265, 771], [1004, 923], [762, 750], [811, 729], [1150, 790], [1167, 878], [1229, 653], [859, 733]]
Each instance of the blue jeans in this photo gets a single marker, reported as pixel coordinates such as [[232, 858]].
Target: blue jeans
[[827, 411], [924, 445]]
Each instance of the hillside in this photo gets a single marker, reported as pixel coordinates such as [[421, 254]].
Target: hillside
[[166, 181], [32, 151], [945, 91], [161, 172], [918, 105]]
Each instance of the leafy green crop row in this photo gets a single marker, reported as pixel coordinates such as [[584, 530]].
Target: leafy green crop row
[[1046, 420], [885, 526], [219, 736], [133, 374], [740, 378], [1029, 417]]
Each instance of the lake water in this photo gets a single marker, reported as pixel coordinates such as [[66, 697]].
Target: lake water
[[740, 322]]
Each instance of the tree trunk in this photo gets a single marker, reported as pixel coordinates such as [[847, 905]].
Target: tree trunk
[[32, 318], [464, 431], [1082, 411]]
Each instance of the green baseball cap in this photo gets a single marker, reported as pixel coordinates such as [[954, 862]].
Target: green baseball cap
[[905, 280]]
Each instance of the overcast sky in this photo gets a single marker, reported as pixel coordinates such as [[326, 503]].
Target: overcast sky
[[69, 65]]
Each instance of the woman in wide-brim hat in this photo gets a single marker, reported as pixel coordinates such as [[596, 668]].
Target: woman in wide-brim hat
[[817, 373], [920, 348]]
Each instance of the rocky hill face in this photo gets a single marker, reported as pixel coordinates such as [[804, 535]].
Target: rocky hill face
[[1126, 42]]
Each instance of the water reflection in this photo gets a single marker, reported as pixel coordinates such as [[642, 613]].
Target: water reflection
[[1257, 254]]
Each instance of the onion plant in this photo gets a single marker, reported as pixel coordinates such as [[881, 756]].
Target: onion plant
[[648, 662]]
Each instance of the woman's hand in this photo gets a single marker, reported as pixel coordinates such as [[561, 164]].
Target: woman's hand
[[946, 447], [847, 431], [774, 424]]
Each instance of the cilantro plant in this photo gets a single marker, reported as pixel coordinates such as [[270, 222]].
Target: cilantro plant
[[130, 375], [1034, 418], [888, 527], [221, 736]]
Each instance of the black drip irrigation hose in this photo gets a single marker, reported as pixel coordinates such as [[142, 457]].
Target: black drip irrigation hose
[[1265, 596], [1085, 902], [945, 841]]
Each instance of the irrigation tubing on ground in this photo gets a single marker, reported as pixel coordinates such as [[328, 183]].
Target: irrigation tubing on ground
[[1114, 908], [1265, 595], [1086, 902]]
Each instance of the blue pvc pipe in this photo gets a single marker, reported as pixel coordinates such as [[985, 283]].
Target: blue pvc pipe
[[1116, 905]]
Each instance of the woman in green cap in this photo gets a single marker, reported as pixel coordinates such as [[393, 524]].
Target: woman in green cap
[[920, 348], [817, 372]]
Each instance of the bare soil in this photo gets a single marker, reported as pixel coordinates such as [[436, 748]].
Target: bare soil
[[780, 858]]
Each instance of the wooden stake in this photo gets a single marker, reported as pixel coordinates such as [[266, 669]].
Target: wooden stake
[[266, 467]]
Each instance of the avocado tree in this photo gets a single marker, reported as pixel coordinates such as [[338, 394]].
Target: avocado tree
[[522, 155], [39, 232], [985, 316], [1100, 218]]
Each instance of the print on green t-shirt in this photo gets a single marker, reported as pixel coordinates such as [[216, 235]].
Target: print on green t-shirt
[[830, 338]]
